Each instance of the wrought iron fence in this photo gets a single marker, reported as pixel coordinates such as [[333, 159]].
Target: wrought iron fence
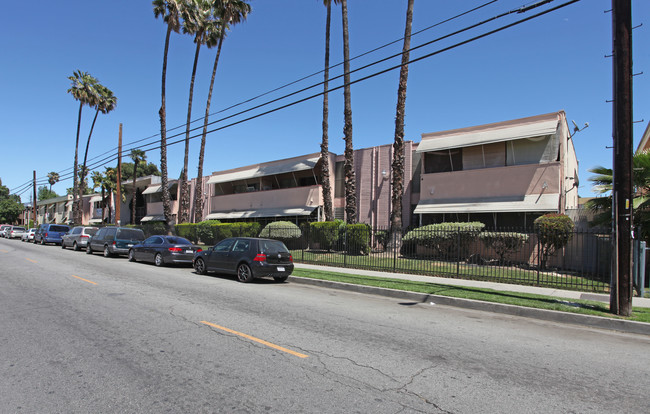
[[579, 261]]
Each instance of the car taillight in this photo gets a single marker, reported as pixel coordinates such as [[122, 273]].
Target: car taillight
[[261, 257], [175, 249], [114, 242], [291, 258], [198, 250], [83, 236], [45, 234]]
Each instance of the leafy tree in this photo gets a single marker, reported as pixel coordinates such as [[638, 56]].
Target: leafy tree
[[553, 231], [10, 205], [45, 194], [82, 90], [170, 11], [228, 13], [144, 169], [348, 165], [324, 146], [398, 145]]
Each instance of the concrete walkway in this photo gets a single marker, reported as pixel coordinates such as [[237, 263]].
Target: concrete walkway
[[503, 287]]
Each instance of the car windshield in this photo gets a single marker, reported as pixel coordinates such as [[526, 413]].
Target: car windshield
[[178, 240], [59, 228], [19, 228], [273, 246], [130, 234]]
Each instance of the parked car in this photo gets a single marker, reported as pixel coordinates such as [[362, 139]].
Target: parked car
[[78, 237], [15, 232], [28, 235], [246, 257], [163, 250], [50, 233], [3, 229], [114, 240]]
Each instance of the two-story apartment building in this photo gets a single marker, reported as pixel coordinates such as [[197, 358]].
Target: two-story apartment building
[[504, 174]]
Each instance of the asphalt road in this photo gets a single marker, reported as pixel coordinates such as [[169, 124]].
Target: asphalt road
[[82, 334]]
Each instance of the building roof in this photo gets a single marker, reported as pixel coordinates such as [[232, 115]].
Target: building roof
[[305, 162], [644, 145], [534, 126]]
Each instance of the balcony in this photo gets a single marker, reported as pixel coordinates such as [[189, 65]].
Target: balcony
[[281, 198]]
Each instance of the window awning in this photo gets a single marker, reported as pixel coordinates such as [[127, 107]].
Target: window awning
[[157, 188], [442, 141], [265, 170], [529, 203], [263, 212], [95, 198], [95, 221], [160, 217]]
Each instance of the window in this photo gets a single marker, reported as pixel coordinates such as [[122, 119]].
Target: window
[[224, 245], [443, 161], [241, 246]]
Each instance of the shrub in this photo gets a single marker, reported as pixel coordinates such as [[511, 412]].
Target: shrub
[[381, 238], [503, 243], [447, 240], [358, 238], [204, 231], [150, 228], [325, 233], [553, 231], [188, 231], [285, 231]]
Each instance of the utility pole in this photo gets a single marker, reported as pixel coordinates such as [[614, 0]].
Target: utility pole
[[34, 198], [119, 180], [621, 290]]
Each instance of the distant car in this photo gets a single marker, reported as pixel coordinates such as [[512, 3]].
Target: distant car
[[162, 250], [114, 240], [78, 237], [246, 257], [28, 235], [3, 229], [50, 233], [15, 232]]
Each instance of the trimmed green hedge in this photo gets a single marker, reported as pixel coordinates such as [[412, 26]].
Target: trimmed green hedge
[[285, 231], [448, 241], [503, 243], [326, 234], [554, 232], [358, 239], [188, 231]]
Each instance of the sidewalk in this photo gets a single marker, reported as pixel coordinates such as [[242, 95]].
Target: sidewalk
[[566, 294]]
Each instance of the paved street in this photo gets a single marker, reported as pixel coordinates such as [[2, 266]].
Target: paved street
[[86, 334]]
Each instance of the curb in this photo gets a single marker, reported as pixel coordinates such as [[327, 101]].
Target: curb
[[542, 314]]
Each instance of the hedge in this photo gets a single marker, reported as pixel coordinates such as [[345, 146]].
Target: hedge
[[503, 243], [285, 231], [358, 238], [554, 232], [187, 231], [326, 234], [449, 241]]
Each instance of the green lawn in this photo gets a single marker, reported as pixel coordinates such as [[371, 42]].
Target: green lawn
[[504, 274], [488, 295]]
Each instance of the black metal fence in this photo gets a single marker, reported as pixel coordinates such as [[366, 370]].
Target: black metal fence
[[578, 261]]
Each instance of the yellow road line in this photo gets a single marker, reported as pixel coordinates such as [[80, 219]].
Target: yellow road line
[[261, 341], [33, 261], [80, 278], [4, 251]]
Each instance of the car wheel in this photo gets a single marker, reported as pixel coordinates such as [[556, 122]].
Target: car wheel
[[199, 266], [158, 260], [280, 279], [244, 273], [131, 256], [75, 247], [88, 249], [42, 242], [62, 245], [107, 252]]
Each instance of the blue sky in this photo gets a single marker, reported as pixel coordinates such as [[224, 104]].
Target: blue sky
[[548, 64]]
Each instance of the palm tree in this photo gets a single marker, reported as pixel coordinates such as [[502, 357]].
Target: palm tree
[[110, 184], [398, 145], [98, 181], [106, 102], [228, 13], [137, 156], [82, 90], [348, 166], [52, 178], [324, 146], [198, 21], [169, 10]]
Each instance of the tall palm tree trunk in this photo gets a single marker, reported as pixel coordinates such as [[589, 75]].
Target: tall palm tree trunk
[[348, 167], [184, 202], [135, 200], [324, 147], [398, 146], [75, 203], [167, 211], [198, 190], [82, 183]]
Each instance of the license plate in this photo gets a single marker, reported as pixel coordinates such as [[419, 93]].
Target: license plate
[[129, 245], [189, 251], [280, 268]]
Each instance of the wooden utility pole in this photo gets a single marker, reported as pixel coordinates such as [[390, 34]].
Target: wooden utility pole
[[621, 290], [118, 202], [34, 198]]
